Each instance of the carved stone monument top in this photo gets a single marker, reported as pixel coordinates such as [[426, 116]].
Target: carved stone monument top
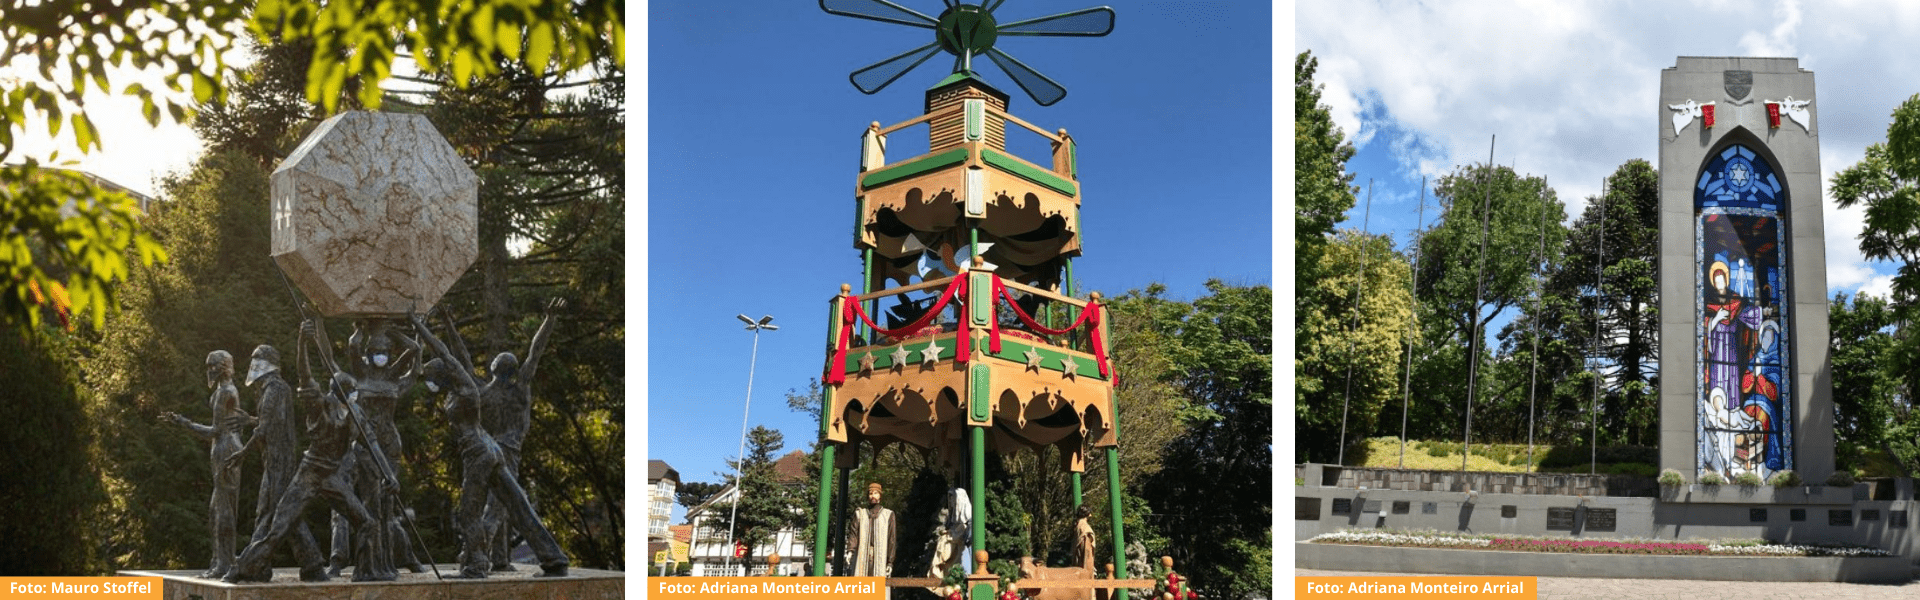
[[374, 214]]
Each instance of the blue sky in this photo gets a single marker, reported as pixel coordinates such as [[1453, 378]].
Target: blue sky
[[1571, 90], [753, 141]]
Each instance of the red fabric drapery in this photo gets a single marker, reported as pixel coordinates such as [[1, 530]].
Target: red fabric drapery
[[836, 368], [852, 312], [1089, 316]]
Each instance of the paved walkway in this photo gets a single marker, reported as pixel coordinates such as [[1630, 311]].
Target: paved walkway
[[1567, 588]]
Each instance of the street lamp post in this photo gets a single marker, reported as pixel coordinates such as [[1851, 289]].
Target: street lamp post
[[739, 492]]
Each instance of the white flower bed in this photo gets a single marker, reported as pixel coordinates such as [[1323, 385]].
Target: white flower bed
[[1396, 539], [1456, 540], [1794, 550]]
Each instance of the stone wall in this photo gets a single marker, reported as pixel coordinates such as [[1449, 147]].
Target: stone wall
[[1557, 484]]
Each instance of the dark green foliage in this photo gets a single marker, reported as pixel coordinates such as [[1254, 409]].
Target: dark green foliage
[[1323, 193], [1887, 183], [1566, 457], [693, 493], [1007, 521], [1629, 309], [1213, 494], [766, 504], [551, 206], [1457, 264], [1866, 385], [219, 293], [52, 497]]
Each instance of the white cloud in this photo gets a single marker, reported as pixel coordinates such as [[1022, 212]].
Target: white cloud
[[1779, 41], [1341, 102], [1881, 286], [1571, 88]]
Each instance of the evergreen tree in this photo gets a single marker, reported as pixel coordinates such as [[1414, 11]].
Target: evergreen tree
[[1323, 193], [766, 503], [53, 498], [1627, 304]]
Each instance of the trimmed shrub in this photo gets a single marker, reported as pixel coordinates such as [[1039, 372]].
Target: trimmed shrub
[[1747, 479], [1841, 478], [1712, 478], [1672, 478], [1786, 478]]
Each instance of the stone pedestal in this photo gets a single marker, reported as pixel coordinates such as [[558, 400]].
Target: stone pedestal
[[586, 584]]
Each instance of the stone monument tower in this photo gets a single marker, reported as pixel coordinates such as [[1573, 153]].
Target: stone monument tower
[[1745, 381]]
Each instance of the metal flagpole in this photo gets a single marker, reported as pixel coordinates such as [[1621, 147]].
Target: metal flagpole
[[1539, 295], [1599, 300], [1365, 216], [1406, 386], [1473, 320]]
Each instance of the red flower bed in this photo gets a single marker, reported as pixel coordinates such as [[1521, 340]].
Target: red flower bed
[[1597, 547]]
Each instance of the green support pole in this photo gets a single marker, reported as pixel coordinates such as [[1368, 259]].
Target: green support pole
[[839, 544], [979, 487], [1071, 293], [1077, 492], [823, 511], [1113, 492]]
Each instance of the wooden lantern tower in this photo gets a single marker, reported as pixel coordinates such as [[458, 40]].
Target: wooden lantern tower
[[966, 336]]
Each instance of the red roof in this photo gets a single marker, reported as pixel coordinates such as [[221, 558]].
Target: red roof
[[791, 468]]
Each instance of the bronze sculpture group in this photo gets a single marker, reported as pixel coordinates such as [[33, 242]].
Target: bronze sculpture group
[[353, 452]]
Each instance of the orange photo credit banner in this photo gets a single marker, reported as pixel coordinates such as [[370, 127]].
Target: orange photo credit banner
[[766, 588], [1431, 586], [81, 588]]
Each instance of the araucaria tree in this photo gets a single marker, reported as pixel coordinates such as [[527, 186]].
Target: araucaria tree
[[1607, 269]]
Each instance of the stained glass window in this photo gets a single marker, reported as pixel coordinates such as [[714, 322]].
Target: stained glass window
[[1742, 388]]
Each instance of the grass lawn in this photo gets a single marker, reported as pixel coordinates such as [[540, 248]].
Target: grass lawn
[[1385, 453]]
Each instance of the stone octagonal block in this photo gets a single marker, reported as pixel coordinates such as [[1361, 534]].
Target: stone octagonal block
[[374, 214]]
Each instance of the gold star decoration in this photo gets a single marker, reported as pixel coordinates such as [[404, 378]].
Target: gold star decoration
[[866, 362], [1033, 360], [931, 353], [1069, 368], [899, 356]]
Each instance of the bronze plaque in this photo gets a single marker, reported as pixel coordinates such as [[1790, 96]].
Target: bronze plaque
[[1897, 519], [1509, 511], [1401, 507], [1757, 515], [1601, 519], [1798, 514], [1372, 506], [1869, 515], [1342, 506], [1560, 519], [1306, 509], [1840, 518]]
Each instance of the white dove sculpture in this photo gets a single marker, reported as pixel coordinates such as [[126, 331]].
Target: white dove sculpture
[[1797, 110], [1684, 115]]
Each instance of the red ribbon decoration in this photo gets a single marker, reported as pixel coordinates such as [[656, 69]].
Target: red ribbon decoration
[[1089, 315], [836, 369]]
